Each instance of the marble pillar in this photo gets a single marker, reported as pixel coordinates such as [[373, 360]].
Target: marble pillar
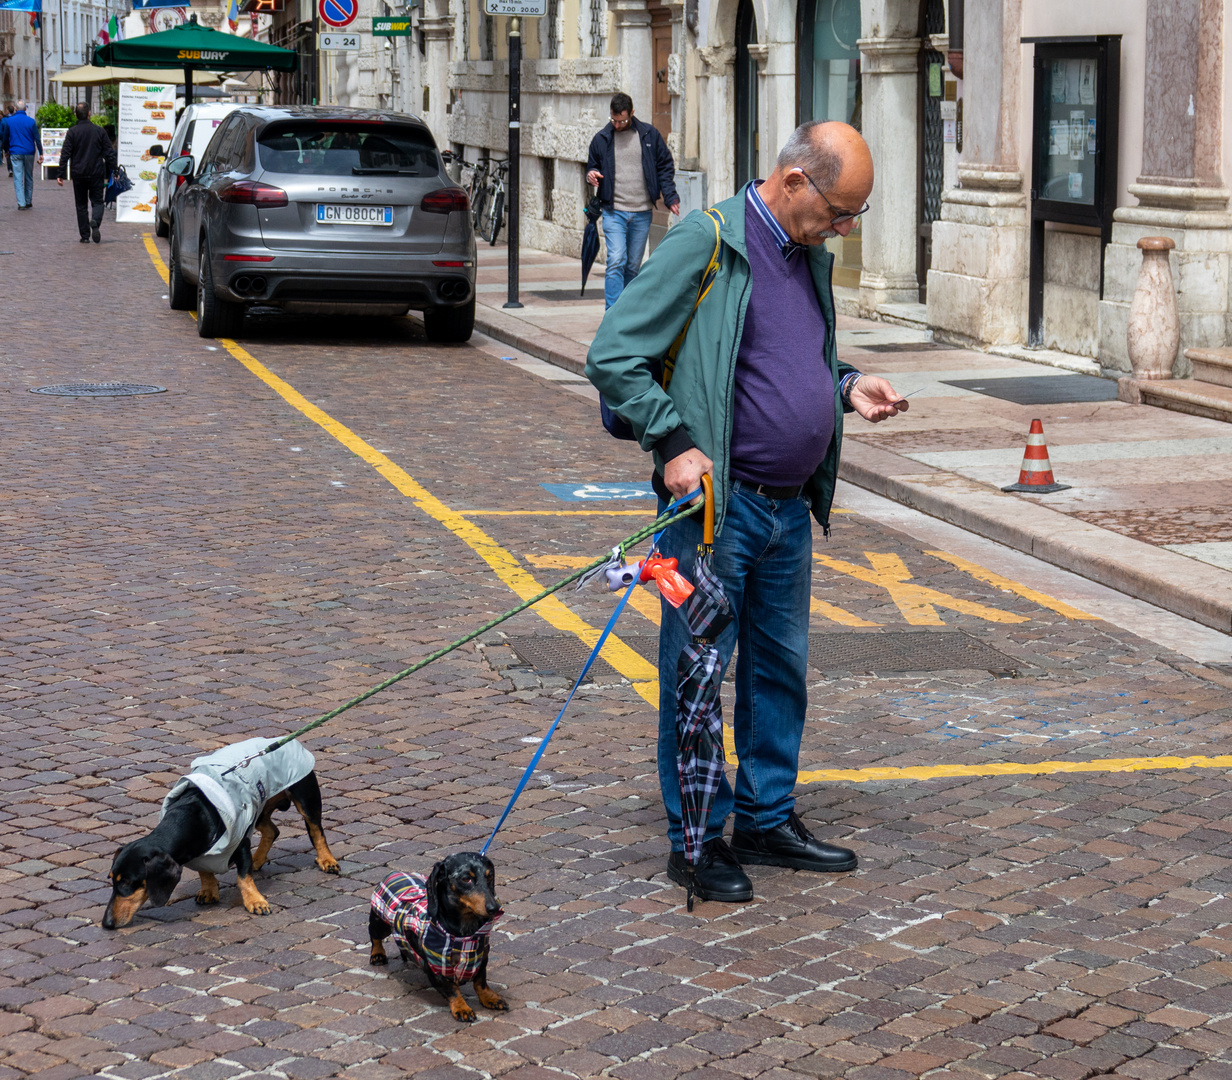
[[891, 128], [635, 47], [1181, 193], [438, 36], [716, 120], [977, 286]]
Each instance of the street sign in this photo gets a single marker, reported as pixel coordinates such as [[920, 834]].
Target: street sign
[[338, 13], [391, 26], [515, 7], [338, 42]]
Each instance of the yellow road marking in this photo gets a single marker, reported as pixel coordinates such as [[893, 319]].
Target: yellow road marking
[[915, 601], [558, 513], [1005, 584], [1011, 768], [837, 614], [642, 601], [637, 669], [157, 259]]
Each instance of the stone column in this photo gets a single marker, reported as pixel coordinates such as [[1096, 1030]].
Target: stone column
[[438, 36], [716, 127], [635, 47], [977, 287], [891, 128], [1181, 192]]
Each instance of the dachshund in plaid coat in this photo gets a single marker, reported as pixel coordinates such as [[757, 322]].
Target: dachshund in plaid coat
[[444, 923]]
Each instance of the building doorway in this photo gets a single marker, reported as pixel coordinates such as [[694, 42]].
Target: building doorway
[[746, 95], [931, 137], [828, 62]]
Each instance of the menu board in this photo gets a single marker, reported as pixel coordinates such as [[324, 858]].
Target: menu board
[[146, 117], [53, 140]]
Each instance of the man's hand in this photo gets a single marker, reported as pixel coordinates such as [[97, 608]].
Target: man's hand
[[593, 177], [685, 471], [40, 160], [875, 399], [675, 208], [60, 181]]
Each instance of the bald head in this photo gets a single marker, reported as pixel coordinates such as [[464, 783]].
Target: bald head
[[21, 106], [824, 171]]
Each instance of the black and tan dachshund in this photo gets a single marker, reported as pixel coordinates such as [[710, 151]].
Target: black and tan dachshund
[[444, 925], [148, 870]]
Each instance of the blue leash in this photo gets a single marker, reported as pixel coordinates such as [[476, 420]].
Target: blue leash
[[594, 654]]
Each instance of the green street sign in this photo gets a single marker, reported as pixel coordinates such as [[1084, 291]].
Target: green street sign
[[391, 26]]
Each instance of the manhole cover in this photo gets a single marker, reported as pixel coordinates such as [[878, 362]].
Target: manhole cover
[[1042, 389], [906, 651], [99, 389], [564, 656]]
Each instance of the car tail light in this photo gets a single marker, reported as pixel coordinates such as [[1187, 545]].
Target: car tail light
[[248, 258], [254, 194], [445, 201], [448, 262]]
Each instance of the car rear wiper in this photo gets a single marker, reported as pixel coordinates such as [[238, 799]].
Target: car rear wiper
[[359, 170]]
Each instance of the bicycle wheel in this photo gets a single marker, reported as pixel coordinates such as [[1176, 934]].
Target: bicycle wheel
[[479, 201], [493, 224]]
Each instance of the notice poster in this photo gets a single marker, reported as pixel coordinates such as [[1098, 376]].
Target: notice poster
[[1077, 134], [146, 116], [53, 142]]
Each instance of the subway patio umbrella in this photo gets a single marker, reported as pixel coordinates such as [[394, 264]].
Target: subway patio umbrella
[[192, 47], [699, 712]]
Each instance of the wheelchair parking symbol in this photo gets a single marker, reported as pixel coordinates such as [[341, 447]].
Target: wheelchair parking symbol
[[596, 492]]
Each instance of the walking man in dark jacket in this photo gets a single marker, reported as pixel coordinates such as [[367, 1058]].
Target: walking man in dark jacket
[[24, 145], [632, 167], [93, 158]]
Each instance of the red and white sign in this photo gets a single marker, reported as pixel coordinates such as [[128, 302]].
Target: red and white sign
[[338, 13]]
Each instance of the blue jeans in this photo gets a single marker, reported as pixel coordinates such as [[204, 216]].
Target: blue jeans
[[625, 233], [23, 177], [764, 558]]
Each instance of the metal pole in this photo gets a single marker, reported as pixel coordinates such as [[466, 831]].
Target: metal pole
[[515, 154]]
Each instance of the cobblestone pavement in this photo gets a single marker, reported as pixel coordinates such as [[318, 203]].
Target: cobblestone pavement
[[208, 564]]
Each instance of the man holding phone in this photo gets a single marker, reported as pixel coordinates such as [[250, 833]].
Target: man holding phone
[[756, 398]]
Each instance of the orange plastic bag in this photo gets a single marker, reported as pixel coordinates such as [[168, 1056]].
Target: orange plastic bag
[[674, 587]]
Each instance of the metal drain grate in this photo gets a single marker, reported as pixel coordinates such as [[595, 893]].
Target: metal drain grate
[[564, 656], [902, 651], [1042, 389], [99, 389]]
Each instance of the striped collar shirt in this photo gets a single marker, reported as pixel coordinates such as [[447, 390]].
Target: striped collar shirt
[[785, 243]]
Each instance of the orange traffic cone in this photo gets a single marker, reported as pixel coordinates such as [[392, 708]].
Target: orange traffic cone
[[1036, 473]]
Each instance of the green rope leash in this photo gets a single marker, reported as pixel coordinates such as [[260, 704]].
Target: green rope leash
[[628, 542]]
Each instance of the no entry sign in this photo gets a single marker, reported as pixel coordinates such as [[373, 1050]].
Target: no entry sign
[[338, 12]]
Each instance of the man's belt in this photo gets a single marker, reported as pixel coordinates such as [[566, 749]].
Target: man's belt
[[767, 491]]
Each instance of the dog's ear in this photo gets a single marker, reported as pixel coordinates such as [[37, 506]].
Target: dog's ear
[[162, 875], [438, 880]]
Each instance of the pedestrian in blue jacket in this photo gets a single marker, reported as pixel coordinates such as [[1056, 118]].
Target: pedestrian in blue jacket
[[632, 167], [23, 144]]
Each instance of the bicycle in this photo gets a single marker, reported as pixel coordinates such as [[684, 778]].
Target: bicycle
[[487, 194]]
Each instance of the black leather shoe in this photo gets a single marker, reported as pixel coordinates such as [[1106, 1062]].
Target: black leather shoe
[[793, 846], [718, 877], [94, 234]]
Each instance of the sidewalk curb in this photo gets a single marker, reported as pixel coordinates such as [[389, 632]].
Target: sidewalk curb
[[1176, 583], [554, 348]]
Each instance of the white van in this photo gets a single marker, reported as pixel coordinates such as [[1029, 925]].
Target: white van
[[192, 136]]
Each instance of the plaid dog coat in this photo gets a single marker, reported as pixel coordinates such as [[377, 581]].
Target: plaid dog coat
[[402, 901]]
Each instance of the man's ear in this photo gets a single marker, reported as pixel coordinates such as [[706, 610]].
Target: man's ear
[[162, 875], [435, 887]]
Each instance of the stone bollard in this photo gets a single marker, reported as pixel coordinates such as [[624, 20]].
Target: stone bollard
[[1154, 333]]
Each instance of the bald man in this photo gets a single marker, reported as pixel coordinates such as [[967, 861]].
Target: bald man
[[756, 398]]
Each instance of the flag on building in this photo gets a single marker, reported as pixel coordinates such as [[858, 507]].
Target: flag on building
[[111, 32], [233, 16]]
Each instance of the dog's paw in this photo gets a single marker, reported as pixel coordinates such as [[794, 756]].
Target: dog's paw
[[206, 897], [378, 960], [462, 1011], [490, 999], [330, 865], [257, 907]]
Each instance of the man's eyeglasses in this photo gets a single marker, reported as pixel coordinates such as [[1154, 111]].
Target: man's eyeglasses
[[837, 216]]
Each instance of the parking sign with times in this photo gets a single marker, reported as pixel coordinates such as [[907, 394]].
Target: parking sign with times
[[515, 7], [338, 42]]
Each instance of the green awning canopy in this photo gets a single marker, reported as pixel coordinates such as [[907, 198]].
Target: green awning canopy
[[195, 47]]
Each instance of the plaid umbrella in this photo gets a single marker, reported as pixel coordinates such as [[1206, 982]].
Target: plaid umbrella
[[699, 712]]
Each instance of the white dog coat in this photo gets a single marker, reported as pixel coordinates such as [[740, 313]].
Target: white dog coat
[[241, 795]]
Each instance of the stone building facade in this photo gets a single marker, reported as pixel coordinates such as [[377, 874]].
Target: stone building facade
[[1170, 170]]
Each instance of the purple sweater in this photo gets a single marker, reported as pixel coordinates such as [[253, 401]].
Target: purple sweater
[[784, 395]]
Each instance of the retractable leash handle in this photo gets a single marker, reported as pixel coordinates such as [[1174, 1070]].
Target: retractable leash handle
[[594, 653]]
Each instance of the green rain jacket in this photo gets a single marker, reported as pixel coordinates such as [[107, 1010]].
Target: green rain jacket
[[697, 407]]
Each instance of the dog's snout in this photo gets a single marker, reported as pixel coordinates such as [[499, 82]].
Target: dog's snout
[[109, 919]]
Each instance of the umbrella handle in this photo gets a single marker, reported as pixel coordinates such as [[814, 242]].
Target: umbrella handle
[[708, 517]]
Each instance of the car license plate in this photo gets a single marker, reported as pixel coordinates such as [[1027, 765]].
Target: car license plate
[[349, 214]]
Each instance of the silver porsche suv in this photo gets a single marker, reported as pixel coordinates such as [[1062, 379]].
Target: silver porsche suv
[[320, 210]]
